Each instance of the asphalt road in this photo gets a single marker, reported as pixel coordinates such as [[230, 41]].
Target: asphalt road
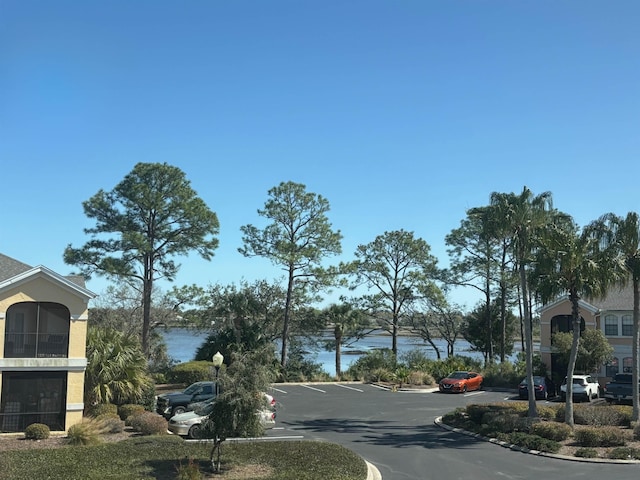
[[396, 432]]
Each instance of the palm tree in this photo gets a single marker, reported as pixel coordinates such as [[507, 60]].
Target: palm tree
[[116, 368], [524, 216], [571, 262], [624, 235]]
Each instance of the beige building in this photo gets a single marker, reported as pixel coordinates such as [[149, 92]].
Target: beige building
[[43, 323], [613, 316]]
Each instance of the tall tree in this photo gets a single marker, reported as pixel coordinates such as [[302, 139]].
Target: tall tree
[[298, 239], [524, 217], [623, 233], [152, 216], [571, 262], [400, 269], [473, 250]]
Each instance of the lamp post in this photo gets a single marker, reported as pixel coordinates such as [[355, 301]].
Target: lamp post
[[217, 360]]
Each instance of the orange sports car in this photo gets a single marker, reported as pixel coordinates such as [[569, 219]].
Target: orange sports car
[[460, 382]]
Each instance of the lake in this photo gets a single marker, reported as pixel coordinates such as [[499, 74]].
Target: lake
[[182, 344]]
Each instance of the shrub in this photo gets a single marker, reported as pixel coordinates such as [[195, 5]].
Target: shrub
[[190, 471], [125, 411], [551, 430], [531, 442], [109, 424], [500, 422], [36, 431], [501, 375], [601, 415], [636, 432], [599, 437], [85, 433], [377, 359], [136, 420], [150, 424], [191, 372], [441, 368], [415, 359], [624, 453], [102, 408], [586, 453], [548, 412], [379, 375]]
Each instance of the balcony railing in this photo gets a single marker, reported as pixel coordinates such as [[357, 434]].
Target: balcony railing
[[36, 345]]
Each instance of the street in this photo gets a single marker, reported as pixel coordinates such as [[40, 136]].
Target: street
[[395, 431]]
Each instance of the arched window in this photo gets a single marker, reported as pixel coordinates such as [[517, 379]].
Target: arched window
[[612, 367], [37, 330]]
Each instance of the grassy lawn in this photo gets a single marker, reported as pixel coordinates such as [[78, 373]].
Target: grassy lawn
[[159, 457]]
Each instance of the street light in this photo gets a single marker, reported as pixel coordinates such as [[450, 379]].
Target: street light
[[217, 360]]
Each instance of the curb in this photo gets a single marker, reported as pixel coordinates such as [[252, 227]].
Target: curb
[[517, 448], [372, 472]]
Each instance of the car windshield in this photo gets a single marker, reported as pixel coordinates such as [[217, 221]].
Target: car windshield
[[458, 375], [192, 389], [204, 409]]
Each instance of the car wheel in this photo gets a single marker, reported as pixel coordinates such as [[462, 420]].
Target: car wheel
[[464, 389], [194, 431], [179, 410]]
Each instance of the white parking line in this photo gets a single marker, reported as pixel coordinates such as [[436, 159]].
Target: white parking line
[[349, 388], [473, 393], [278, 390], [311, 388]]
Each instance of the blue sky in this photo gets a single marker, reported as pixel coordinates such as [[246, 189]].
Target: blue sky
[[401, 114]]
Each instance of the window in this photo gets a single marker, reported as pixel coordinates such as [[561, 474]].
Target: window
[[33, 397], [612, 367], [627, 364], [627, 325], [36, 330], [611, 326]]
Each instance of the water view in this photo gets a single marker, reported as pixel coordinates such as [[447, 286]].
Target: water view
[[182, 344]]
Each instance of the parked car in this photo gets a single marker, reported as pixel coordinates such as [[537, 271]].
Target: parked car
[[620, 389], [460, 382], [585, 387], [170, 404], [189, 424], [542, 387]]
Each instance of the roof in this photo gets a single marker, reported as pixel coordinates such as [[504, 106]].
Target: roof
[[13, 271], [10, 267], [616, 299]]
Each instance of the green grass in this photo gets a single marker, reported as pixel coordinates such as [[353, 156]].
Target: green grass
[[158, 457]]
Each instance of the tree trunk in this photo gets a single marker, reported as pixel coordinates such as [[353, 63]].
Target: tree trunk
[[528, 334], [147, 286], [634, 349], [338, 337], [575, 322], [287, 315]]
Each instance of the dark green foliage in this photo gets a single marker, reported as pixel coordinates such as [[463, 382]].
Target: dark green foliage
[[600, 437], [300, 369], [586, 452], [441, 368], [102, 409], [494, 423], [636, 432], [374, 360], [36, 431], [244, 335], [125, 411], [156, 457], [501, 375], [476, 330], [192, 372], [551, 430], [624, 453], [531, 442]]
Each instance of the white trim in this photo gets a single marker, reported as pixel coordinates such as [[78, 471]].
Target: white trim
[[75, 407], [48, 364], [42, 271], [565, 298]]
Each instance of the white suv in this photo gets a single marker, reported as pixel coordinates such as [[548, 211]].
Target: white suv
[[584, 387]]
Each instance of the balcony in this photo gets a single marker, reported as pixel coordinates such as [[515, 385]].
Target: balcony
[[36, 345]]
